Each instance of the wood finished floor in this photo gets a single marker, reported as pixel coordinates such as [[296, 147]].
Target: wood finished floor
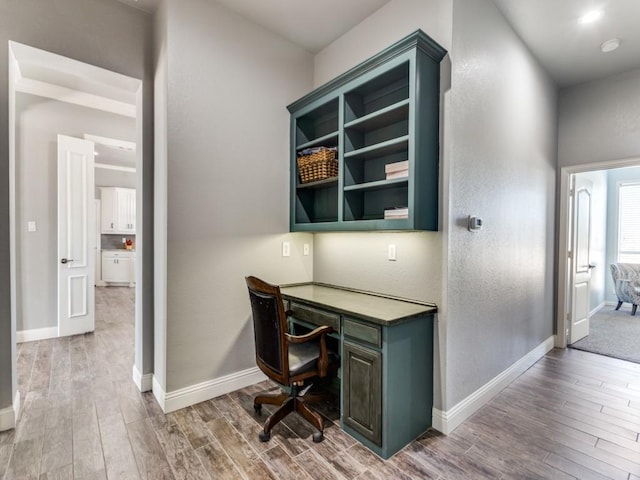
[[572, 415]]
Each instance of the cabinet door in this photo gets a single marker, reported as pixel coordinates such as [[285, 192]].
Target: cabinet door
[[116, 269], [362, 391], [124, 216], [108, 222]]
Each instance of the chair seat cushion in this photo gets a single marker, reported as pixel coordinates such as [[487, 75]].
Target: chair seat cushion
[[303, 357]]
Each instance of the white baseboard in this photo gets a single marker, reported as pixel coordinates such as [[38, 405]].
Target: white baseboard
[[172, 401], [9, 415], [447, 421], [597, 309], [36, 334], [143, 382]]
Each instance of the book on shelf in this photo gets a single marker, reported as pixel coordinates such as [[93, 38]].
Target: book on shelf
[[398, 174], [396, 213], [397, 170]]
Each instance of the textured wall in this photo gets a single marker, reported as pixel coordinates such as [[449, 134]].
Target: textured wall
[[100, 32], [503, 159], [38, 122], [227, 177], [600, 121], [395, 20]]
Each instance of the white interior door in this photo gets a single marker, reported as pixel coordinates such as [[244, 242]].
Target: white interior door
[[580, 262], [76, 236]]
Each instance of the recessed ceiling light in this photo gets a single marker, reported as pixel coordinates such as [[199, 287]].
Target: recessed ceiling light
[[610, 45], [590, 17]]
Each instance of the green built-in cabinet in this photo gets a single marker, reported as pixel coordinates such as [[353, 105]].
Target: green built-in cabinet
[[382, 112]]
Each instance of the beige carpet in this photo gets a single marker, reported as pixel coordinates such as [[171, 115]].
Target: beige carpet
[[615, 334]]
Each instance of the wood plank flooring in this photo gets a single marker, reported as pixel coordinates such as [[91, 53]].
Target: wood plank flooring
[[572, 415]]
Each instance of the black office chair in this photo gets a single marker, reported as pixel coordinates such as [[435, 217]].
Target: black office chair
[[287, 359]]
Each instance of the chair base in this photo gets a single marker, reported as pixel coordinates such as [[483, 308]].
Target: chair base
[[633, 307], [292, 402]]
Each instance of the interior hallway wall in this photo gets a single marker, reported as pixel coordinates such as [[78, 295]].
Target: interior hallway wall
[[225, 167], [599, 121], [99, 32], [503, 164]]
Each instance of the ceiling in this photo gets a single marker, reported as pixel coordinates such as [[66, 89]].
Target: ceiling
[[568, 50]]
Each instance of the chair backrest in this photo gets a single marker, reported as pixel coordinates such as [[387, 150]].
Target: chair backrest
[[269, 327], [626, 277]]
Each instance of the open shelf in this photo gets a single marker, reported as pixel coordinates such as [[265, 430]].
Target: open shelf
[[381, 112], [382, 91], [318, 123], [379, 185], [389, 115], [328, 140], [388, 147], [326, 183]]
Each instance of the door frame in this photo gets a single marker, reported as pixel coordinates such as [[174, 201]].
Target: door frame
[[142, 333], [564, 227]]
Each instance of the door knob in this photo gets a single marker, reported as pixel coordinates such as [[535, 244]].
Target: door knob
[[66, 260]]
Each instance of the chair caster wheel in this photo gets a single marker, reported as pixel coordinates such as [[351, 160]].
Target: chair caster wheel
[[258, 409], [264, 436], [318, 437]]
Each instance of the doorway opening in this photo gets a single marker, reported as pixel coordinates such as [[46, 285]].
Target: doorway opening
[[593, 236], [51, 95]]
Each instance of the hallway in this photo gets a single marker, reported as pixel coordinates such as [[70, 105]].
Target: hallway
[[571, 415]]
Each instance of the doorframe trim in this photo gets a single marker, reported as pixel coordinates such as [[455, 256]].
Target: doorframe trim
[[563, 230], [143, 327]]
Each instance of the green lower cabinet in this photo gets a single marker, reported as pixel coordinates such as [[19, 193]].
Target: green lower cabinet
[[387, 382], [362, 391]]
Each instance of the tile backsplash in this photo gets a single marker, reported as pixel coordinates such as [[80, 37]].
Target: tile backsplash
[[114, 242]]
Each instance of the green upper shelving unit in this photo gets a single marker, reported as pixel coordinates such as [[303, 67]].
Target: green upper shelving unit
[[381, 112]]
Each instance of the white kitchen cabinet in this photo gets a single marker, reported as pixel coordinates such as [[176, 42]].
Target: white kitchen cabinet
[[117, 266], [118, 214]]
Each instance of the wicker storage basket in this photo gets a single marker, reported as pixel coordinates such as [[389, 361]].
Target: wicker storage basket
[[319, 165]]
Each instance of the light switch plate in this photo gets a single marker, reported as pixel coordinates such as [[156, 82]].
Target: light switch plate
[[392, 252], [305, 249], [31, 226]]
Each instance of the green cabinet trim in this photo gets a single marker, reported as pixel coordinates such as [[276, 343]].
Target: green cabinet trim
[[417, 39], [383, 111], [363, 332]]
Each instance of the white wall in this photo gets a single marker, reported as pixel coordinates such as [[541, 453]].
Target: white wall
[[599, 121], [114, 178], [227, 174], [503, 161], [38, 122]]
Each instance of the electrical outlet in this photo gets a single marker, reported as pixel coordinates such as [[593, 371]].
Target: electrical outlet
[[392, 252], [286, 249], [305, 249]]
